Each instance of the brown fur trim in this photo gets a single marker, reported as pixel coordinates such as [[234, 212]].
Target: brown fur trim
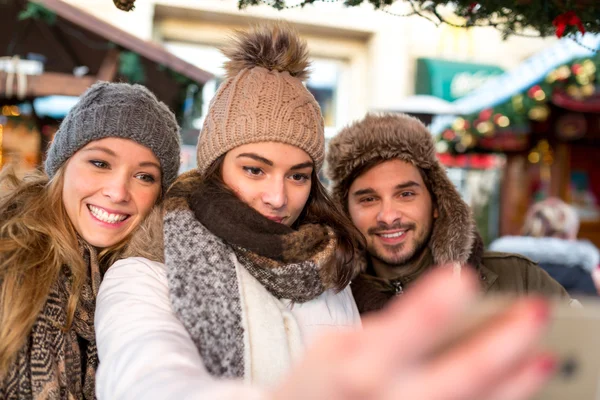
[[383, 137], [452, 237], [181, 189], [276, 47], [221, 212], [147, 241], [310, 236], [329, 276], [477, 251], [399, 136]]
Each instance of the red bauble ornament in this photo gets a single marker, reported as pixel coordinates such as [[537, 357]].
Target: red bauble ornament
[[486, 114], [449, 135], [473, 7], [533, 90]]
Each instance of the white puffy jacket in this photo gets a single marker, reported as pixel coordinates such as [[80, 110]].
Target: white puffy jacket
[[146, 353]]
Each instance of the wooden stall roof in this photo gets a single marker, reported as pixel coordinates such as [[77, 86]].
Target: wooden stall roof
[[77, 38]]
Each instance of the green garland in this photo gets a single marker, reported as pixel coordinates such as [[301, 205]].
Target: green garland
[[189, 99], [579, 79], [547, 17], [131, 67], [38, 12]]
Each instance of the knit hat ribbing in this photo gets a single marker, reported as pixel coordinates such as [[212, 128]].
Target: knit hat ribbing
[[263, 98], [123, 111]]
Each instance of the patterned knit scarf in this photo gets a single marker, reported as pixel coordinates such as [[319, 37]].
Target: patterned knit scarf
[[55, 364], [206, 228]]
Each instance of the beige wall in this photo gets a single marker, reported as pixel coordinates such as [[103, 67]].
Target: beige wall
[[378, 50], [139, 22]]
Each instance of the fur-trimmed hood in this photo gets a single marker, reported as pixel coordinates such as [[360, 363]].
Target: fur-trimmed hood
[[551, 251], [148, 239], [406, 138]]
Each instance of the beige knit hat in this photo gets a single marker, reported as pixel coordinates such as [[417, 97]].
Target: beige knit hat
[[263, 97]]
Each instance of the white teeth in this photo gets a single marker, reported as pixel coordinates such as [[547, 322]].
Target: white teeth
[[392, 235], [103, 216]]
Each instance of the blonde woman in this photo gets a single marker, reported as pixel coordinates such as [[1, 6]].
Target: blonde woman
[[549, 237], [115, 154]]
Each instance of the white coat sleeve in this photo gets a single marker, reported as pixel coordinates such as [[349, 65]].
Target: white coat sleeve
[[144, 350]]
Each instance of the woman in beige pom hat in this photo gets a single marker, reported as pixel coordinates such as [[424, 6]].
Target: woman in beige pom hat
[[249, 253], [249, 261]]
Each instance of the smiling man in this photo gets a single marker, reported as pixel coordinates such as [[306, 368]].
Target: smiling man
[[385, 174]]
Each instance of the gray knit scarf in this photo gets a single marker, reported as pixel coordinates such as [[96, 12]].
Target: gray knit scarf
[[206, 228]]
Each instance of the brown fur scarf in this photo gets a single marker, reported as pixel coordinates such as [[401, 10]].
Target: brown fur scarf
[[238, 224], [205, 229]]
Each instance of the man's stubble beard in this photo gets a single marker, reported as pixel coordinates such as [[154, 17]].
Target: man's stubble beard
[[418, 247]]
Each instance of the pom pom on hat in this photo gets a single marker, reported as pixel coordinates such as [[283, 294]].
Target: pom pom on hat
[[263, 98], [276, 47]]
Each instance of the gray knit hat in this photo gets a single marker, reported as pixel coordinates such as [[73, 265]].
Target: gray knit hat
[[124, 111]]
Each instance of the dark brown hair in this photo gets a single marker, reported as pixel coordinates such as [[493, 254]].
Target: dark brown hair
[[319, 209]]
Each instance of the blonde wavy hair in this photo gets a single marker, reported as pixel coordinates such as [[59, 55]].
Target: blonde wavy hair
[[36, 240]]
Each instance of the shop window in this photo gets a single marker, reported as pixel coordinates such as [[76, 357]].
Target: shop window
[[323, 84], [20, 139]]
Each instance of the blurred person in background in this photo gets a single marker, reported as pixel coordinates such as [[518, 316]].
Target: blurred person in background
[[115, 154], [549, 237]]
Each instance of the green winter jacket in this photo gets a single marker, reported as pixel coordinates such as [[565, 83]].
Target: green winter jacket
[[498, 273]]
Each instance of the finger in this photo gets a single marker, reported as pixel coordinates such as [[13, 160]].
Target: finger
[[526, 380], [408, 328], [490, 354], [522, 383], [596, 277]]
